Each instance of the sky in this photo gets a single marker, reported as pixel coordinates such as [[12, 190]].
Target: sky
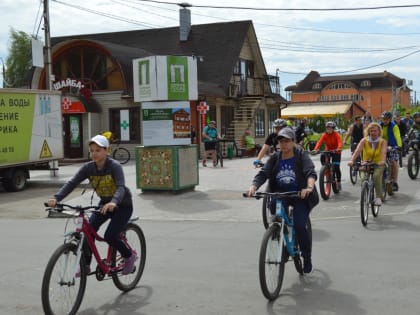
[[295, 37]]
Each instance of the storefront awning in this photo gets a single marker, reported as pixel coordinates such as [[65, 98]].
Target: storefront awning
[[309, 110]]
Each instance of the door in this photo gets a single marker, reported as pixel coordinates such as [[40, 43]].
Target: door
[[73, 136]]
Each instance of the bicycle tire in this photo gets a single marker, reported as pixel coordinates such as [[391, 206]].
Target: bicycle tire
[[220, 157], [364, 203], [325, 182], [413, 164], [353, 175], [266, 211], [334, 183], [122, 155], [384, 177], [135, 238], [271, 269], [54, 302], [373, 207]]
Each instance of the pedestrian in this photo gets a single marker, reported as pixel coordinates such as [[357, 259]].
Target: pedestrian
[[210, 137], [106, 177], [291, 169]]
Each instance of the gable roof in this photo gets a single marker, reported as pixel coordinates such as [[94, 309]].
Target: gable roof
[[218, 44], [378, 80]]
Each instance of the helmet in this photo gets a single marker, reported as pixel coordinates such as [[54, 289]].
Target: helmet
[[387, 115], [279, 123], [416, 115], [212, 122], [330, 124]]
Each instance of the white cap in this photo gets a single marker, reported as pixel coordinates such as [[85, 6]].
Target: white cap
[[100, 140]]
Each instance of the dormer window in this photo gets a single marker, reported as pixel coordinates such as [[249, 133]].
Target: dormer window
[[317, 86], [365, 83]]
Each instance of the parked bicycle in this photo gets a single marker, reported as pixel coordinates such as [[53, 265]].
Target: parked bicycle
[[278, 245], [219, 154], [120, 153], [328, 176], [64, 281], [367, 196]]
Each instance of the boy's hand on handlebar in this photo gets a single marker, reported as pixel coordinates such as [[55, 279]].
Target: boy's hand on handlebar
[[251, 191], [108, 207]]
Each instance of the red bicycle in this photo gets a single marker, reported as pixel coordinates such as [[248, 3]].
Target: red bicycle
[[62, 291]]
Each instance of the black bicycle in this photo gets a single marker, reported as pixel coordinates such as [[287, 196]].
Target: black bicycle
[[119, 153], [353, 171], [219, 154], [413, 159]]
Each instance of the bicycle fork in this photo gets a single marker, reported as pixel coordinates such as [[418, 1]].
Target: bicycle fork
[[69, 238]]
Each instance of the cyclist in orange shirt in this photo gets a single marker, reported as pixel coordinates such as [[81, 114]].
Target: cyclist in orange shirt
[[332, 140]]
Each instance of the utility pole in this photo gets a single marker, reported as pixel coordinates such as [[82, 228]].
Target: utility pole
[[47, 49]]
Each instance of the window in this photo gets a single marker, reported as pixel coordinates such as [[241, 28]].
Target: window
[[317, 86], [226, 113], [365, 83], [133, 123], [272, 116], [259, 123]]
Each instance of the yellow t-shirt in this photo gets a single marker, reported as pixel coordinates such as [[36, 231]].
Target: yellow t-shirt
[[370, 154]]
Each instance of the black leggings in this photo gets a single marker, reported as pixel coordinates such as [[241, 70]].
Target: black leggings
[[335, 160]]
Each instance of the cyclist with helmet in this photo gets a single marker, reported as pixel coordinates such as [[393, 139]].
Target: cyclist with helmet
[[210, 137], [271, 140], [391, 133], [333, 142], [416, 125]]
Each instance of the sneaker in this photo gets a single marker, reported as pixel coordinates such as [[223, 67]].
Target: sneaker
[[78, 272], [307, 266], [129, 264], [394, 186], [204, 163], [378, 202]]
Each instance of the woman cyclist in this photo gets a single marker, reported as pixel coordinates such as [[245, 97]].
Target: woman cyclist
[[373, 148], [333, 142]]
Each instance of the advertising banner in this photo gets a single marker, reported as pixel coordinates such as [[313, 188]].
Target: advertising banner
[[166, 123], [163, 78]]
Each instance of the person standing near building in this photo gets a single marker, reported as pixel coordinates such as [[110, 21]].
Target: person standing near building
[[210, 137], [271, 140]]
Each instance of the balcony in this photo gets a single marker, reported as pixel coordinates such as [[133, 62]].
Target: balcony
[[239, 86]]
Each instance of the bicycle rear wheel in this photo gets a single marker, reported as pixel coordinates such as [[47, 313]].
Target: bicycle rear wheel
[[122, 155], [271, 262], [62, 292], [373, 206], [413, 164], [220, 157], [134, 237], [297, 259], [325, 182], [364, 203]]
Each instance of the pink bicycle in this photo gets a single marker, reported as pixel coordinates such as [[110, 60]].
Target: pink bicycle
[[62, 291]]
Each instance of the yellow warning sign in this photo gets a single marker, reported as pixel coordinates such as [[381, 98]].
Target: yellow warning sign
[[45, 151]]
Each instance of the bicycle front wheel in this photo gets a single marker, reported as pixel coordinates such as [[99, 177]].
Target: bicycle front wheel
[[364, 203], [134, 237], [325, 182], [353, 175], [122, 155], [413, 164], [266, 211], [220, 157], [62, 292], [271, 262]]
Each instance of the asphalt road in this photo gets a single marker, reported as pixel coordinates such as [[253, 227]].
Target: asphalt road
[[202, 251]]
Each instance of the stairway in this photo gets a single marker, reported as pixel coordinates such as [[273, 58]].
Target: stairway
[[243, 117]]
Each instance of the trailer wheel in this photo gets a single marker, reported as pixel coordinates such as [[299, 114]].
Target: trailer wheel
[[16, 180]]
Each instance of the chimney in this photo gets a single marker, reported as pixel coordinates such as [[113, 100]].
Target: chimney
[[185, 22]]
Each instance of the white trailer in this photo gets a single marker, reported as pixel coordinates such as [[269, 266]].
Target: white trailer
[[30, 134]]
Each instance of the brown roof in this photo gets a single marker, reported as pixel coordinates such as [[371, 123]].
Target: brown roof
[[219, 45]]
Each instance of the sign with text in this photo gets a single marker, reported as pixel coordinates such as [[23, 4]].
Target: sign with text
[[166, 123], [165, 78]]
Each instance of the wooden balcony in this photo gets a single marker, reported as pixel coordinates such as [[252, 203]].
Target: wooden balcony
[[240, 87]]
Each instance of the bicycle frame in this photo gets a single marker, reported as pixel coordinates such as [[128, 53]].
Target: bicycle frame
[[88, 233], [286, 220]]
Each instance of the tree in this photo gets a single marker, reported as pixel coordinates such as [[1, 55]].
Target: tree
[[19, 60]]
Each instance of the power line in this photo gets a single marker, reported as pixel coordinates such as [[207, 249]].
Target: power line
[[289, 9]]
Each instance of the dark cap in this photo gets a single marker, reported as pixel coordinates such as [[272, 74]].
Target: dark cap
[[286, 133]]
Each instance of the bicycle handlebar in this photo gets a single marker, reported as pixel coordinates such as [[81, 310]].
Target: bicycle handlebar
[[60, 207], [280, 195]]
